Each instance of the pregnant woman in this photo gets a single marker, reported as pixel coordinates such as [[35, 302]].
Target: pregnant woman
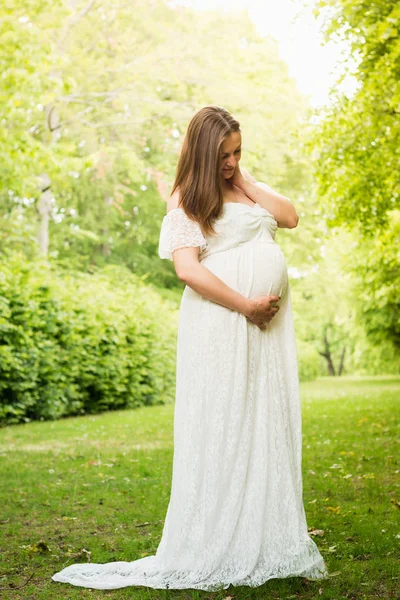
[[236, 513]]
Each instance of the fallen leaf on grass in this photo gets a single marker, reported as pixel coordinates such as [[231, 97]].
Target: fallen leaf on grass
[[40, 547], [361, 557], [81, 554], [316, 531]]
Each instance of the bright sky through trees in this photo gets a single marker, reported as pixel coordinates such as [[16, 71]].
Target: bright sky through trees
[[313, 65]]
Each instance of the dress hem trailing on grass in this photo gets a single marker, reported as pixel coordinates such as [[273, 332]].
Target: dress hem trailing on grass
[[147, 572]]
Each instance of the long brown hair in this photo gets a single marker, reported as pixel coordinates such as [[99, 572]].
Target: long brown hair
[[198, 170]]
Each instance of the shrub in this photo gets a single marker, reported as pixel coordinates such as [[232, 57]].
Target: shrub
[[74, 343]]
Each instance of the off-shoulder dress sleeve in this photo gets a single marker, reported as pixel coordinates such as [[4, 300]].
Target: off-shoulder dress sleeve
[[178, 231]]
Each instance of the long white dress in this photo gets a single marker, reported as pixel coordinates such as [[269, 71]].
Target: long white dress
[[236, 513]]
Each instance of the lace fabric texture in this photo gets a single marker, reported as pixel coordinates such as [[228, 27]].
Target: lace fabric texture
[[178, 231], [236, 513]]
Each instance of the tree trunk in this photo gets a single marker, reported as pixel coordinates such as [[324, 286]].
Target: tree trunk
[[45, 211], [327, 355], [341, 365]]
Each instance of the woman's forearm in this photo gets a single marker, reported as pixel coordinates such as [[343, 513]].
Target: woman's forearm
[[204, 282], [280, 206]]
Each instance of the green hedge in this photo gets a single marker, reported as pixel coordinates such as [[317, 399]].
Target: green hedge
[[75, 343]]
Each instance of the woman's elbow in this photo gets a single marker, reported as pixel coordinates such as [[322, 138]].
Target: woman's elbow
[[294, 221], [182, 275], [183, 270], [290, 218]]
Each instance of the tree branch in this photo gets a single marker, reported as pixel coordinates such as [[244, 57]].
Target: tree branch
[[72, 21]]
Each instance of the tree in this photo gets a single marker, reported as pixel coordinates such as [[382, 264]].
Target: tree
[[357, 143], [357, 157]]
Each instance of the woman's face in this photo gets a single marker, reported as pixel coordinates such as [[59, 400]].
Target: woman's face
[[230, 154]]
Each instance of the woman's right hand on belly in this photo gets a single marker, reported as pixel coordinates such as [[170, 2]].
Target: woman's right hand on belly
[[263, 309]]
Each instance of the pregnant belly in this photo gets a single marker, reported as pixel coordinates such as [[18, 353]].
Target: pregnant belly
[[253, 269]]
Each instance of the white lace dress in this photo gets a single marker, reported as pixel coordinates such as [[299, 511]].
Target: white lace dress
[[236, 513]]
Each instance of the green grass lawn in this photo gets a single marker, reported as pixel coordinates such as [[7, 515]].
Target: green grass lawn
[[97, 488]]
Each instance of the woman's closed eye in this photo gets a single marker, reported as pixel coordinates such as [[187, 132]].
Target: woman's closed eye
[[226, 155]]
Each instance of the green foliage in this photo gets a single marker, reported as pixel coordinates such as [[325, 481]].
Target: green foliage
[[309, 361], [29, 80], [323, 312], [376, 277], [73, 343], [346, 305], [356, 150], [358, 141]]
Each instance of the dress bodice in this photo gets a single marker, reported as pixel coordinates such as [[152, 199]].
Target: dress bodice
[[238, 224]]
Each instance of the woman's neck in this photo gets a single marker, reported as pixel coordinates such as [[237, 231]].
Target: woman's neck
[[227, 185]]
